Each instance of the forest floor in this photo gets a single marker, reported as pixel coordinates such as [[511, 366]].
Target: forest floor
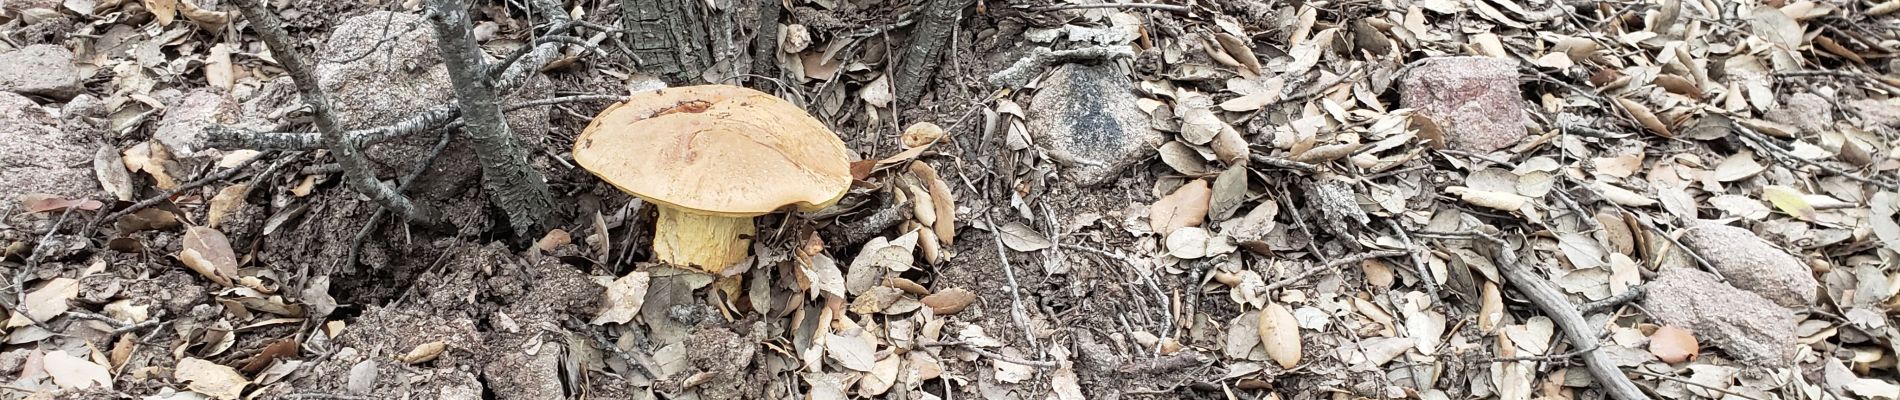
[[1234, 199]]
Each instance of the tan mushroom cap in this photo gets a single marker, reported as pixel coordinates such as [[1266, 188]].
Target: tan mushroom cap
[[716, 149]]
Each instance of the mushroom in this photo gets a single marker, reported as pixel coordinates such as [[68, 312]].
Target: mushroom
[[712, 157]]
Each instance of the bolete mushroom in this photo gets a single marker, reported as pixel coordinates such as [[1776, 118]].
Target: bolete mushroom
[[712, 157]]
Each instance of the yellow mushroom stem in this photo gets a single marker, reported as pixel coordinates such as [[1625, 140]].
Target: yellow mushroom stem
[[710, 242]]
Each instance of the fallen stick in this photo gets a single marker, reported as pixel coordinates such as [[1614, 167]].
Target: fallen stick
[[1546, 297]]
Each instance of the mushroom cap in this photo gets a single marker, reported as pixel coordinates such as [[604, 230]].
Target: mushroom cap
[[716, 149]]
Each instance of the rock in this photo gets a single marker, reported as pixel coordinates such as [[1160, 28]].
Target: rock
[[42, 69], [1086, 116], [1741, 323], [1474, 99], [401, 78], [183, 127], [1751, 263], [38, 157], [1807, 111]]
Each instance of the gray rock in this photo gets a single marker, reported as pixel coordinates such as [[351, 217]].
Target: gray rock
[[400, 78], [1085, 115], [1743, 324], [1807, 111], [183, 127], [1474, 99], [38, 157], [1751, 263], [42, 69]]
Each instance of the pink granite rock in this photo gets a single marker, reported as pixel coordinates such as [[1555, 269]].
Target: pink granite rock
[[1474, 99]]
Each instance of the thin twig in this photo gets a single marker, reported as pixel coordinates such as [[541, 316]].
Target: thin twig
[[1309, 272], [1627, 296], [1783, 154], [991, 355], [376, 219], [1839, 74], [1015, 299], [1418, 260], [33, 263], [1281, 162], [167, 195], [1138, 6]]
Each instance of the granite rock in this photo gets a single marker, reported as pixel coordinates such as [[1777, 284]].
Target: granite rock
[[1475, 100], [1751, 263], [37, 156], [1087, 119], [1741, 323], [41, 69]]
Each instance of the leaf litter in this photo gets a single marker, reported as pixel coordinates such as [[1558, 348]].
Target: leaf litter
[[1214, 267]]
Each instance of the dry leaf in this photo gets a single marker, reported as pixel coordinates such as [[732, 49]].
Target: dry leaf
[[1023, 238], [218, 70], [1621, 196], [943, 204], [1489, 199], [424, 352], [112, 174], [211, 379], [1280, 333], [882, 377], [949, 301], [72, 372], [162, 10], [1185, 207], [49, 301], [921, 134], [208, 252], [1738, 167], [878, 92], [1645, 117], [1229, 191], [1673, 345], [852, 352], [624, 297], [39, 203], [1789, 200], [227, 200]]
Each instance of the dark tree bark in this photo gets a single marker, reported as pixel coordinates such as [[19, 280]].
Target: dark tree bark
[[765, 46], [513, 185], [356, 169], [925, 51], [668, 38]]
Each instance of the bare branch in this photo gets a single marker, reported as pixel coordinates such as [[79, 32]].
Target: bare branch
[[356, 167]]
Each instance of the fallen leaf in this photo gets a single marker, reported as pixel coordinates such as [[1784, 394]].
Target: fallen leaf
[[112, 174], [1621, 196], [623, 299], [72, 372], [942, 201], [162, 10], [1187, 206], [39, 203], [1489, 199], [1673, 345], [424, 352], [1009, 372], [878, 92], [1737, 167], [1280, 333], [825, 276], [227, 200], [1023, 238], [882, 377], [949, 301], [217, 68], [1644, 116], [852, 352], [210, 379], [49, 301], [208, 252], [1789, 200], [1229, 191]]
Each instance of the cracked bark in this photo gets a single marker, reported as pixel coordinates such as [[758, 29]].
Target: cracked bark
[[668, 38], [765, 43], [925, 51], [513, 185], [356, 169]]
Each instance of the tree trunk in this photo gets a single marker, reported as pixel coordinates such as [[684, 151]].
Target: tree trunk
[[512, 183], [925, 51], [765, 46], [668, 38]]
